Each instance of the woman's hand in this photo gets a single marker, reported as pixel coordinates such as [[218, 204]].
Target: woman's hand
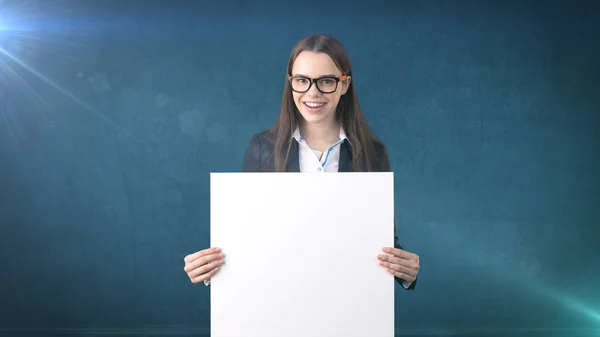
[[400, 263], [202, 265]]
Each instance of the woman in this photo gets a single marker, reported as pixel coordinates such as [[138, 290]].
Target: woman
[[320, 129]]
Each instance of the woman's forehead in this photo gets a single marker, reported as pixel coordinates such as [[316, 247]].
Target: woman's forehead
[[314, 65]]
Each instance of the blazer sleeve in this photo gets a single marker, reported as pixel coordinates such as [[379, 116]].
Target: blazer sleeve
[[386, 167], [252, 162]]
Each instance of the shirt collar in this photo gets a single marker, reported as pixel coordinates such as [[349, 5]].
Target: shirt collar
[[298, 137]]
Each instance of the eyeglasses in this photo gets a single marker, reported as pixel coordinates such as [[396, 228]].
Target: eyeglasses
[[325, 84]]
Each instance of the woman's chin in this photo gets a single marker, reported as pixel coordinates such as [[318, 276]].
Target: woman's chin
[[313, 118]]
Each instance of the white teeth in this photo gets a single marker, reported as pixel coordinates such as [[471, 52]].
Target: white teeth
[[314, 105]]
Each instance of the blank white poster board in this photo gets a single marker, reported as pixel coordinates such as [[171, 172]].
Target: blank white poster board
[[301, 254]]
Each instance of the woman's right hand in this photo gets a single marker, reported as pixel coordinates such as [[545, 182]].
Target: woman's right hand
[[202, 265]]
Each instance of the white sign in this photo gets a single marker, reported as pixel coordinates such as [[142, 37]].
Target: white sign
[[301, 254]]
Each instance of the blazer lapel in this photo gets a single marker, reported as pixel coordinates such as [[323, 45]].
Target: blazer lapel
[[293, 161], [345, 157]]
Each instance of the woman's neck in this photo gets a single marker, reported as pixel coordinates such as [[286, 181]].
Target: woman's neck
[[320, 136]]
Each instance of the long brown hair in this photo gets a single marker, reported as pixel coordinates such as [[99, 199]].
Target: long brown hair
[[348, 112]]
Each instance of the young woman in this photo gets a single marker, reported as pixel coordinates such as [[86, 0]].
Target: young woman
[[320, 129]]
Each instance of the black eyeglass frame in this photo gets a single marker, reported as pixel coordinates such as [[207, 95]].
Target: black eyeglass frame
[[314, 81]]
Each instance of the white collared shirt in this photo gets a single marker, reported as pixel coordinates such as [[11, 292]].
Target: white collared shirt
[[318, 162], [314, 161]]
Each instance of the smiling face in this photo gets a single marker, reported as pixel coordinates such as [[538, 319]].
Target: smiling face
[[315, 106]]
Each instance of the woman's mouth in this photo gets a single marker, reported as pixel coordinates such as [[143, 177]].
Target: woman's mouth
[[314, 106]]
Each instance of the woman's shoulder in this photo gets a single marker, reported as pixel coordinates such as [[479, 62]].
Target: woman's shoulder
[[265, 136], [379, 145], [259, 149], [382, 158], [261, 142], [379, 148]]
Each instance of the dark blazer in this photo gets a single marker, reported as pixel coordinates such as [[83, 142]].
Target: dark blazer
[[257, 158]]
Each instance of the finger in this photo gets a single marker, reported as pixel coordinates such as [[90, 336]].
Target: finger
[[401, 275], [206, 268], [199, 254], [399, 268], [202, 261], [411, 264], [205, 277], [397, 252], [392, 259]]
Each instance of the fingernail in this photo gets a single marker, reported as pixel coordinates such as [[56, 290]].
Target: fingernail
[[217, 250]]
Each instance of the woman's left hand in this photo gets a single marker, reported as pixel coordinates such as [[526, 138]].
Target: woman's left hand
[[400, 263]]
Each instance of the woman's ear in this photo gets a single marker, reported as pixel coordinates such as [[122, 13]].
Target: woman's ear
[[346, 84]]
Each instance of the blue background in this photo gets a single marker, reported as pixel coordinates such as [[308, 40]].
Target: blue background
[[112, 115]]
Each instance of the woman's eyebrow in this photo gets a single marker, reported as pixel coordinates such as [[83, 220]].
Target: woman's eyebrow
[[326, 75]]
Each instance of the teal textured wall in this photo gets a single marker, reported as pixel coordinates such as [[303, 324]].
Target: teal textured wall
[[489, 111]]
